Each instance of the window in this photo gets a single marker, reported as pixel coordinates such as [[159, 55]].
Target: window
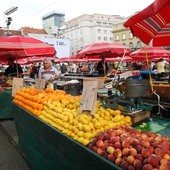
[[111, 38], [105, 31], [117, 37], [124, 37], [138, 45], [130, 35], [105, 38], [131, 45], [124, 44], [99, 38], [99, 31]]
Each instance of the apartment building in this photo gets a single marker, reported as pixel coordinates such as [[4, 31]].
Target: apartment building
[[87, 29], [124, 36]]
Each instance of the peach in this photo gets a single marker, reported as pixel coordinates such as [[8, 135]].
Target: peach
[[118, 161], [155, 144], [158, 139], [166, 156], [145, 143], [119, 132], [146, 153], [147, 167], [95, 148], [105, 154], [94, 141], [125, 151], [132, 151], [99, 151], [110, 149], [105, 145], [163, 161], [164, 167], [100, 136], [137, 164], [130, 159], [117, 145], [124, 165], [131, 167], [99, 143], [153, 160], [163, 148], [125, 144], [158, 152], [134, 142], [90, 145], [151, 149], [139, 156], [114, 139], [139, 148], [111, 157], [106, 137], [118, 153]]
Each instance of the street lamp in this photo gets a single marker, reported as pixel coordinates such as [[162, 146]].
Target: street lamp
[[9, 19]]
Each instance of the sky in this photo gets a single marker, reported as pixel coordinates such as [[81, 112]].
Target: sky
[[30, 12]]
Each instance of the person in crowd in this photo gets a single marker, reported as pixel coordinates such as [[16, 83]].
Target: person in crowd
[[63, 68], [33, 71], [48, 72], [13, 69], [102, 68]]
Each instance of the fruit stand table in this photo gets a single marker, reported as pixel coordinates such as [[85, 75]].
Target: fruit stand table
[[6, 104], [47, 148]]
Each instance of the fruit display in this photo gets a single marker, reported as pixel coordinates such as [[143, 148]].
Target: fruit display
[[61, 110], [133, 149]]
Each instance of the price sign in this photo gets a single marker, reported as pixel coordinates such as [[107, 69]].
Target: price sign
[[40, 84], [89, 96], [17, 85]]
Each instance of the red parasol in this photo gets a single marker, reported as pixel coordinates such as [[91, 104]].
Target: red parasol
[[21, 47], [152, 52], [72, 59], [126, 59], [104, 49], [152, 23]]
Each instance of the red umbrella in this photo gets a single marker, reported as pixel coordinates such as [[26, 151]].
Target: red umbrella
[[152, 52], [104, 49], [72, 59], [40, 59], [152, 23], [126, 59], [21, 47]]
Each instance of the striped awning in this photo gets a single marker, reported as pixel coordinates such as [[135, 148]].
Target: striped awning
[[152, 23]]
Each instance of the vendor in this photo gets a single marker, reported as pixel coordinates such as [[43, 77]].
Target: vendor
[[102, 68], [14, 69], [48, 72]]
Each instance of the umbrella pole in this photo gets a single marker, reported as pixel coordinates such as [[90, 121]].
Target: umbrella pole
[[17, 64]]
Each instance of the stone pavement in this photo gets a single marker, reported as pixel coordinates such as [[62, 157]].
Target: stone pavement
[[11, 157]]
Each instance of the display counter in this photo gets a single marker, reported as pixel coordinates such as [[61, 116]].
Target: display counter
[[47, 148], [6, 104]]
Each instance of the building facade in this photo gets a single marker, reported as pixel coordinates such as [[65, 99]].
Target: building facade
[[124, 36], [87, 29], [52, 22]]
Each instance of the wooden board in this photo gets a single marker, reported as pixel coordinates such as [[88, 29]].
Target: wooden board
[[137, 116]]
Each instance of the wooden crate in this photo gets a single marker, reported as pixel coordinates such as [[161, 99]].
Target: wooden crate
[[137, 116]]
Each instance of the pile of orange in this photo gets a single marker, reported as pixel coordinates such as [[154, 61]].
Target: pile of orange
[[34, 100]]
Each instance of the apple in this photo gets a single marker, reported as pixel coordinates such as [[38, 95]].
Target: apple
[[99, 143]]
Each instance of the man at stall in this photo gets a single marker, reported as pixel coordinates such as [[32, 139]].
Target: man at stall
[[48, 72], [14, 69]]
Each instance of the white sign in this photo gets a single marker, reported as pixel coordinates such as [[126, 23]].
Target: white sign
[[62, 46]]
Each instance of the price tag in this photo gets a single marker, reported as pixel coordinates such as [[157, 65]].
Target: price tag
[[89, 96], [17, 85], [40, 84]]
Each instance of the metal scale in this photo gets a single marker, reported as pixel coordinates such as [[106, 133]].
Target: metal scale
[[125, 95]]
